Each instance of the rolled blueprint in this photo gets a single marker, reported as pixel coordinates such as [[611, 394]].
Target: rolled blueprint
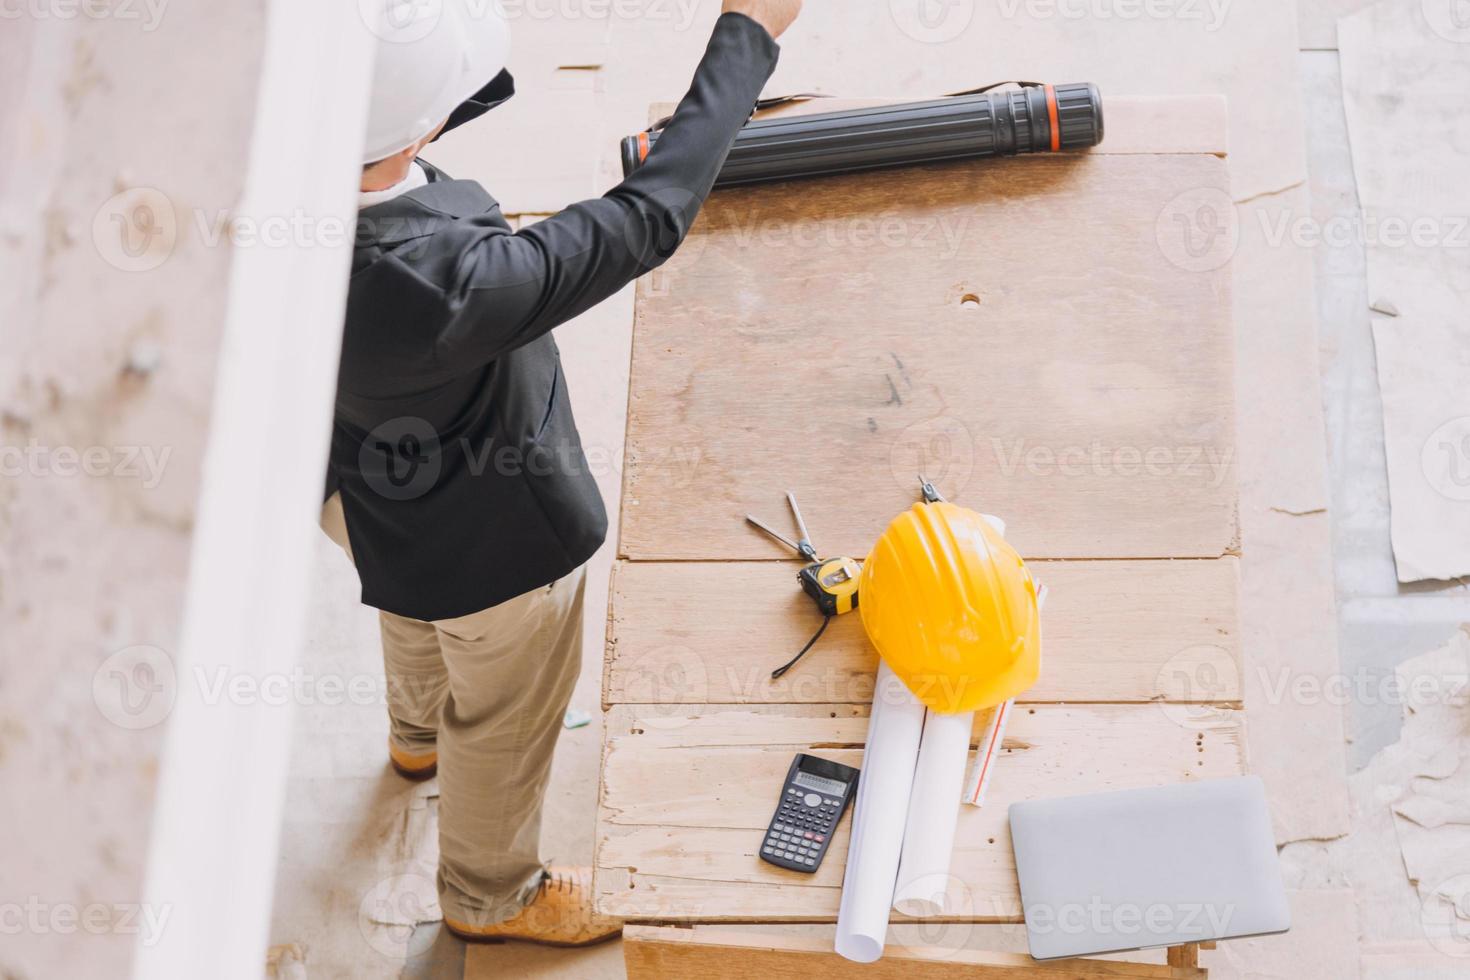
[[882, 804], [939, 783], [992, 740], [934, 808]]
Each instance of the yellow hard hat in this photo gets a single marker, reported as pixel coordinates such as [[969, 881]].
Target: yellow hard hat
[[951, 608]]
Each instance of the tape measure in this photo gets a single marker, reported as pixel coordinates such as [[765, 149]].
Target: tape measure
[[832, 583]]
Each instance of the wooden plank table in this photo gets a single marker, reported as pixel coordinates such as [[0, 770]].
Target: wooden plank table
[[1042, 337]]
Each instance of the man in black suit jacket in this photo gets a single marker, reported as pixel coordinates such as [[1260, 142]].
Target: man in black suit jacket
[[457, 480]]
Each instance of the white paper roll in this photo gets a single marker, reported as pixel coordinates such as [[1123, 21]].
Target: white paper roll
[[878, 817], [992, 740], [934, 808]]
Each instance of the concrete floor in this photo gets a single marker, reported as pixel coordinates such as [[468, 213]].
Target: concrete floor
[[358, 850]]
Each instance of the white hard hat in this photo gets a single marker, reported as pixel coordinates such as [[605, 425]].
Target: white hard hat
[[431, 56]]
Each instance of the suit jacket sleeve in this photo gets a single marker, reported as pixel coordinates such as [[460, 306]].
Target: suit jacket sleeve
[[508, 289]]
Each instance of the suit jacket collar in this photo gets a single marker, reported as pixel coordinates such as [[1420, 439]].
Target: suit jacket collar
[[421, 212]]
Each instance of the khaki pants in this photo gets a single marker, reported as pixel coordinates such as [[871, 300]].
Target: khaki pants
[[487, 692]]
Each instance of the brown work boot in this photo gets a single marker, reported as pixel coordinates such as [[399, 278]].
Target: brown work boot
[[560, 915], [415, 767]]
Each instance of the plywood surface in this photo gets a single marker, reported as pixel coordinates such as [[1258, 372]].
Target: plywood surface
[[1042, 339], [1115, 631], [817, 335], [713, 955], [680, 825]]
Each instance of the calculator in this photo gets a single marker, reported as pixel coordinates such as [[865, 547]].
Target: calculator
[[812, 800]]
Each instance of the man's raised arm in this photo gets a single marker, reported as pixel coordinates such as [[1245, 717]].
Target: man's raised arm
[[510, 289]]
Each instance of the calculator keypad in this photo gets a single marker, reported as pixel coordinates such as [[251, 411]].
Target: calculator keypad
[[799, 831]]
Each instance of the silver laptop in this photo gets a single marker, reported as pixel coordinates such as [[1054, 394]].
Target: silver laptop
[[1150, 867]]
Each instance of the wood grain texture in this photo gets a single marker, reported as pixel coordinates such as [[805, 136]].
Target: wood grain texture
[[1186, 955], [1030, 335], [679, 824], [816, 336], [653, 952], [1114, 631]]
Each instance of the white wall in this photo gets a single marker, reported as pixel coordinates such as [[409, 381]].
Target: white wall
[[164, 402], [92, 565]]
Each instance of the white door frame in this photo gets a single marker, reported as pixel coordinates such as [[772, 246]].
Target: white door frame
[[222, 780]]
